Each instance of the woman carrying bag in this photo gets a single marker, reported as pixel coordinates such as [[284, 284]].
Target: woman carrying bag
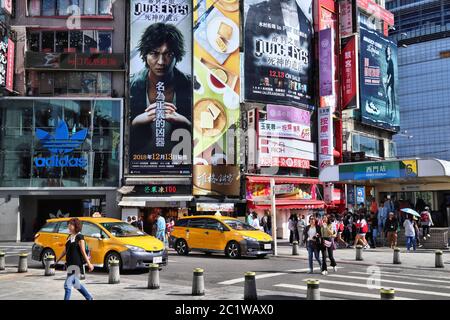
[[328, 235], [76, 256], [312, 240]]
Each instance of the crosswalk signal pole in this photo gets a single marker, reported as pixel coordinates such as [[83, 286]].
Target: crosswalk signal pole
[[274, 216]]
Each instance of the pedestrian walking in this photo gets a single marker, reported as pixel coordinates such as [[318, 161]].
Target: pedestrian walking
[[301, 225], [391, 230], [312, 238], [340, 228], [76, 257], [410, 234], [361, 229], [292, 226], [372, 232], [348, 228], [160, 224], [381, 218], [267, 223], [417, 232], [255, 221], [426, 222], [327, 248]]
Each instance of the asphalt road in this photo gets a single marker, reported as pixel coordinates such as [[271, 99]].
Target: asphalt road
[[286, 276]]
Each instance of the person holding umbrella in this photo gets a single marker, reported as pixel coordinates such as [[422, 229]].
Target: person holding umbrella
[[410, 232]]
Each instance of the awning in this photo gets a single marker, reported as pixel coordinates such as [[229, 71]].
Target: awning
[[278, 180], [288, 204], [154, 201]]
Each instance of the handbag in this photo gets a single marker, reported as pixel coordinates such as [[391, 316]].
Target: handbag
[[327, 243]]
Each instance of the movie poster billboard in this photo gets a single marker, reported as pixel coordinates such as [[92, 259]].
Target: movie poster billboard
[[278, 51], [378, 80], [216, 109], [160, 88]]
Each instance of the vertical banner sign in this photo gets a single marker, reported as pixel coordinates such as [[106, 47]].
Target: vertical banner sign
[[216, 98], [378, 80], [160, 100], [349, 68], [3, 61], [278, 51], [326, 62], [325, 138], [10, 66], [346, 18]]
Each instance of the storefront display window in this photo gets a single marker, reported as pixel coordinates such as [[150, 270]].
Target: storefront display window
[[61, 7], [27, 160], [371, 146]]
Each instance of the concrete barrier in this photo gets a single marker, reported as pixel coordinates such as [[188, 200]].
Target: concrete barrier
[[49, 263], [2, 261], [313, 290], [295, 248], [198, 283], [438, 259], [359, 250], [153, 277], [23, 263], [114, 272], [250, 286], [397, 256]]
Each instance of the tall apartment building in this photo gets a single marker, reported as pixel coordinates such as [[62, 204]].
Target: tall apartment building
[[422, 29], [61, 128]]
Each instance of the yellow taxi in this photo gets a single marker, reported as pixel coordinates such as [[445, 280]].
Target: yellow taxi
[[219, 234], [107, 239]]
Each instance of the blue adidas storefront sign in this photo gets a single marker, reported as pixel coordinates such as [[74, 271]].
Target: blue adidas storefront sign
[[60, 145]]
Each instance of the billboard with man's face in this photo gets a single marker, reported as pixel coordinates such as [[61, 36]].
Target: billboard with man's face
[[278, 51], [378, 80], [160, 100]]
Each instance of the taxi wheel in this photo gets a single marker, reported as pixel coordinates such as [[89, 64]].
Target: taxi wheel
[[111, 256], [45, 253], [181, 247], [233, 250]]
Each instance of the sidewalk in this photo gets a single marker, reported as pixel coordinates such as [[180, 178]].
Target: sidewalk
[[381, 256]]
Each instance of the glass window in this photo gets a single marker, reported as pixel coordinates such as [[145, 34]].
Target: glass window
[[90, 229], [104, 7], [90, 43], [90, 7], [89, 83], [48, 41], [104, 42], [370, 146], [46, 83], [48, 7], [75, 83], [104, 84], [48, 227], [63, 5], [34, 7], [122, 229], [34, 42], [212, 224], [238, 225], [60, 81], [181, 223], [197, 223], [76, 41], [63, 227], [62, 41]]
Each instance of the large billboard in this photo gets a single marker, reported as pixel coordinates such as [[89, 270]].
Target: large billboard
[[378, 80], [349, 73], [160, 88], [278, 51], [216, 110]]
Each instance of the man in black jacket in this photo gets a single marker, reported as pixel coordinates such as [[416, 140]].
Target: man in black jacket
[[390, 230]]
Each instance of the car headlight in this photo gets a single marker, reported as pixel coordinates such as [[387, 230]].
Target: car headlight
[[134, 248], [250, 238]]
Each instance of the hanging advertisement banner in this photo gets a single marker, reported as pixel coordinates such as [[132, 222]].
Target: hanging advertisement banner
[[349, 68], [288, 114], [160, 100], [216, 110], [378, 80], [278, 51], [326, 65], [10, 66], [325, 138], [283, 129], [346, 18], [3, 60], [274, 152]]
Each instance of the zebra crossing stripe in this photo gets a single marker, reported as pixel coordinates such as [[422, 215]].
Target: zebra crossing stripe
[[338, 292], [417, 277]]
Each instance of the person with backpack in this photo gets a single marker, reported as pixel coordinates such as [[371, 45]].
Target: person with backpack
[[426, 222], [77, 254], [327, 248], [313, 240]]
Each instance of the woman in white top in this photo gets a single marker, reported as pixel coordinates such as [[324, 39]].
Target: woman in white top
[[255, 222], [312, 238]]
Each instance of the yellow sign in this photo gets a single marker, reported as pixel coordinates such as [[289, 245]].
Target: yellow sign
[[411, 167]]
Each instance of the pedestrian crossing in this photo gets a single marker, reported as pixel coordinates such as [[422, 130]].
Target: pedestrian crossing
[[11, 251], [360, 283]]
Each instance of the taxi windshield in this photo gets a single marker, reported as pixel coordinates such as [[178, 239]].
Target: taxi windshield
[[238, 225], [122, 229]]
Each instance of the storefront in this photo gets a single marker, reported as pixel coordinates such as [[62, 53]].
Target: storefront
[[58, 157], [292, 196], [414, 183]]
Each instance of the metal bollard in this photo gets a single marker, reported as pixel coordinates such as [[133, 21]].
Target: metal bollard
[[23, 263], [313, 291], [439, 259], [387, 294], [359, 253], [153, 277], [295, 248], [250, 286], [114, 272], [49, 266], [2, 261], [397, 256], [198, 283]]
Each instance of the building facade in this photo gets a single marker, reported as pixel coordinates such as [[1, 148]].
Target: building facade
[[61, 126]]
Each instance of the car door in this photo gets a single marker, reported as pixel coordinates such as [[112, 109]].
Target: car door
[[214, 237], [60, 238], [195, 233], [92, 236]]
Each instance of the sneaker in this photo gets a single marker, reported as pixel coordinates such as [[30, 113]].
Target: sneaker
[[420, 245], [424, 238], [334, 269], [324, 273], [310, 272], [429, 235]]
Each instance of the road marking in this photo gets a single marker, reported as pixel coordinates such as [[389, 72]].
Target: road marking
[[388, 281], [418, 277], [413, 275], [338, 292], [360, 285]]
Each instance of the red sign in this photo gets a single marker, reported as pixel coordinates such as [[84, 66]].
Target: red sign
[[349, 67], [286, 162], [10, 66], [378, 11]]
